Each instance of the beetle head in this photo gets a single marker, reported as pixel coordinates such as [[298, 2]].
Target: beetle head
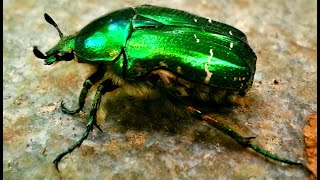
[[62, 51]]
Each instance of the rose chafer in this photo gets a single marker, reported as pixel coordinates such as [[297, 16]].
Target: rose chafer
[[191, 57]]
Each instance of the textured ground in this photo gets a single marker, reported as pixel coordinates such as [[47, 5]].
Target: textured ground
[[139, 141]]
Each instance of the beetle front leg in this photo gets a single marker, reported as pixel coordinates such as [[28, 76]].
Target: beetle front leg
[[244, 141], [105, 86], [95, 77]]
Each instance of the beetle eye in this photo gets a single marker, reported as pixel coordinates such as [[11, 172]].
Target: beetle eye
[[67, 56]]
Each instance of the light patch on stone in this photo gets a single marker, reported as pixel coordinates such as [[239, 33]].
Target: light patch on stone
[[47, 109], [234, 78], [206, 156], [197, 40], [162, 63], [75, 57]]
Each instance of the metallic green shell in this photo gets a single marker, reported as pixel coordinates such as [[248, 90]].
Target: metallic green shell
[[199, 49], [197, 55], [103, 38], [174, 17]]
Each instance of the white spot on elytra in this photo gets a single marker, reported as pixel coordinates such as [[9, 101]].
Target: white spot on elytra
[[230, 32], [234, 78], [195, 20], [209, 20], [197, 40], [209, 74], [206, 68], [231, 45], [179, 70], [211, 55], [162, 63]]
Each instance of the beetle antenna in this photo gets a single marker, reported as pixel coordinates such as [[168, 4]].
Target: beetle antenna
[[51, 21], [38, 53]]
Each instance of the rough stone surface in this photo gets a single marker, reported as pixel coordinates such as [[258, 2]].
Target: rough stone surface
[[139, 141]]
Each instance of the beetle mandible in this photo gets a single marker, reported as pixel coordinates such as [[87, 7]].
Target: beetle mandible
[[190, 56]]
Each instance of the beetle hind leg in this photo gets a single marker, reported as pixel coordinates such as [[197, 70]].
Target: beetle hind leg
[[244, 141], [105, 86], [95, 77]]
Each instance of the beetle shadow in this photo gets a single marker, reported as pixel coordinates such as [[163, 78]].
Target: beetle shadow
[[140, 114], [125, 114], [160, 114]]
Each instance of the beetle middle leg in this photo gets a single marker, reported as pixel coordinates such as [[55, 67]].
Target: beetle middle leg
[[105, 86], [95, 77]]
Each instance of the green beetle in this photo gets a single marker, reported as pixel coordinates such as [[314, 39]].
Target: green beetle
[[189, 56]]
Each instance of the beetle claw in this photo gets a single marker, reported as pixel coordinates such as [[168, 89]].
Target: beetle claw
[[98, 127], [67, 111], [251, 137], [56, 165]]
